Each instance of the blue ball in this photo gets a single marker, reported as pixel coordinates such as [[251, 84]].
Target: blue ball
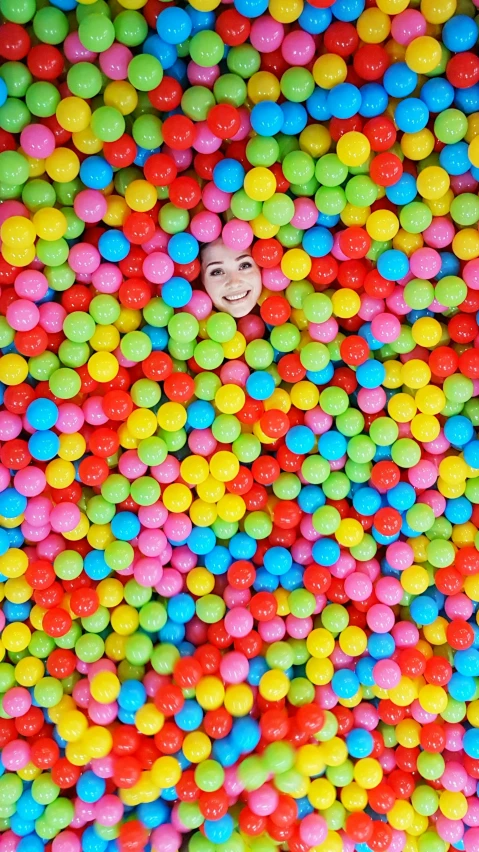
[[113, 246], [411, 115], [460, 33], [345, 683], [471, 454], [314, 20], [164, 52], [317, 241], [12, 504], [360, 742], [42, 414], [176, 292], [190, 716], [219, 830], [201, 540], [458, 430], [344, 100], [267, 118], [437, 94], [399, 80], [370, 374], [90, 787], [367, 501], [125, 526], [181, 608], [332, 445], [393, 264], [374, 100], [347, 10], [200, 414], [228, 175], [423, 610], [326, 552], [260, 385], [174, 24], [403, 191], [43, 446], [277, 560], [96, 172], [183, 248], [454, 158], [300, 440], [317, 105], [3, 91], [295, 118], [132, 695]]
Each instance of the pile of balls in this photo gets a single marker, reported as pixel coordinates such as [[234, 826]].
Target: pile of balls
[[239, 559]]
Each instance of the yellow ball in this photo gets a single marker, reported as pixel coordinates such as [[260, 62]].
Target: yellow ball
[[103, 366], [315, 140], [465, 244], [368, 773], [438, 11], [373, 26], [142, 423], [18, 233], [432, 182], [210, 693], [417, 146], [304, 395], [433, 699], [427, 332], [140, 196], [125, 620], [62, 165], [224, 466], [171, 416], [263, 86], [353, 148], [196, 747], [73, 114], [274, 685], [423, 54], [285, 11], [350, 533], [321, 794], [121, 95], [329, 70], [16, 637], [105, 687], [259, 183], [166, 772], [194, 470], [149, 720], [177, 498], [230, 399], [453, 805], [13, 369], [238, 699], [50, 224], [296, 264], [346, 303], [382, 225]]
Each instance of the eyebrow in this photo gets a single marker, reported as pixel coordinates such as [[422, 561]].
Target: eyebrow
[[215, 262]]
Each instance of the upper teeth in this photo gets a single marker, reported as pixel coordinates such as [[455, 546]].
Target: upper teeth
[[236, 296]]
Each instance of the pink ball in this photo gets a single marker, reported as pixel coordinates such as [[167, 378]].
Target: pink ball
[[305, 213], [37, 141], [263, 801], [84, 257], [386, 328], [266, 34], [234, 667], [313, 829], [74, 50], [440, 233], [206, 226], [387, 674], [407, 26], [238, 622], [380, 618], [114, 61], [298, 48], [17, 701], [158, 268], [22, 315], [215, 199], [237, 235], [206, 142], [31, 284], [90, 205], [65, 517]]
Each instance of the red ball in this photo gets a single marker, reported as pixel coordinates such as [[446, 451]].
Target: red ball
[[45, 62], [14, 41], [462, 70]]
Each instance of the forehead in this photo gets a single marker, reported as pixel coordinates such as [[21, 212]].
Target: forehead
[[218, 252]]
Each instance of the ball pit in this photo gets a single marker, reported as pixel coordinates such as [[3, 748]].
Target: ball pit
[[239, 403]]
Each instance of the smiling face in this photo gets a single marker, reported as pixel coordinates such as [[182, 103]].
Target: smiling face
[[231, 278]]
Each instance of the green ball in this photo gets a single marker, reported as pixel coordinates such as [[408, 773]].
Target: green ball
[[464, 209], [96, 33], [221, 327], [230, 89], [279, 209], [14, 168], [450, 126], [17, 78], [64, 383], [263, 151], [209, 776], [415, 217], [48, 692], [243, 60], [131, 28], [196, 102], [14, 115], [298, 167], [330, 171], [79, 326], [145, 491], [297, 84], [84, 80], [145, 72], [107, 123], [335, 618], [207, 48], [210, 608], [18, 11], [50, 25], [209, 355], [174, 220]]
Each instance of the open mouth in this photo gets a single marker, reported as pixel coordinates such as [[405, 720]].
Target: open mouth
[[237, 297]]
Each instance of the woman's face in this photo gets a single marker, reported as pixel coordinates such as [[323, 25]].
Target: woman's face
[[231, 278]]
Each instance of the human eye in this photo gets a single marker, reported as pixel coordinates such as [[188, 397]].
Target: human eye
[[216, 272], [246, 264]]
